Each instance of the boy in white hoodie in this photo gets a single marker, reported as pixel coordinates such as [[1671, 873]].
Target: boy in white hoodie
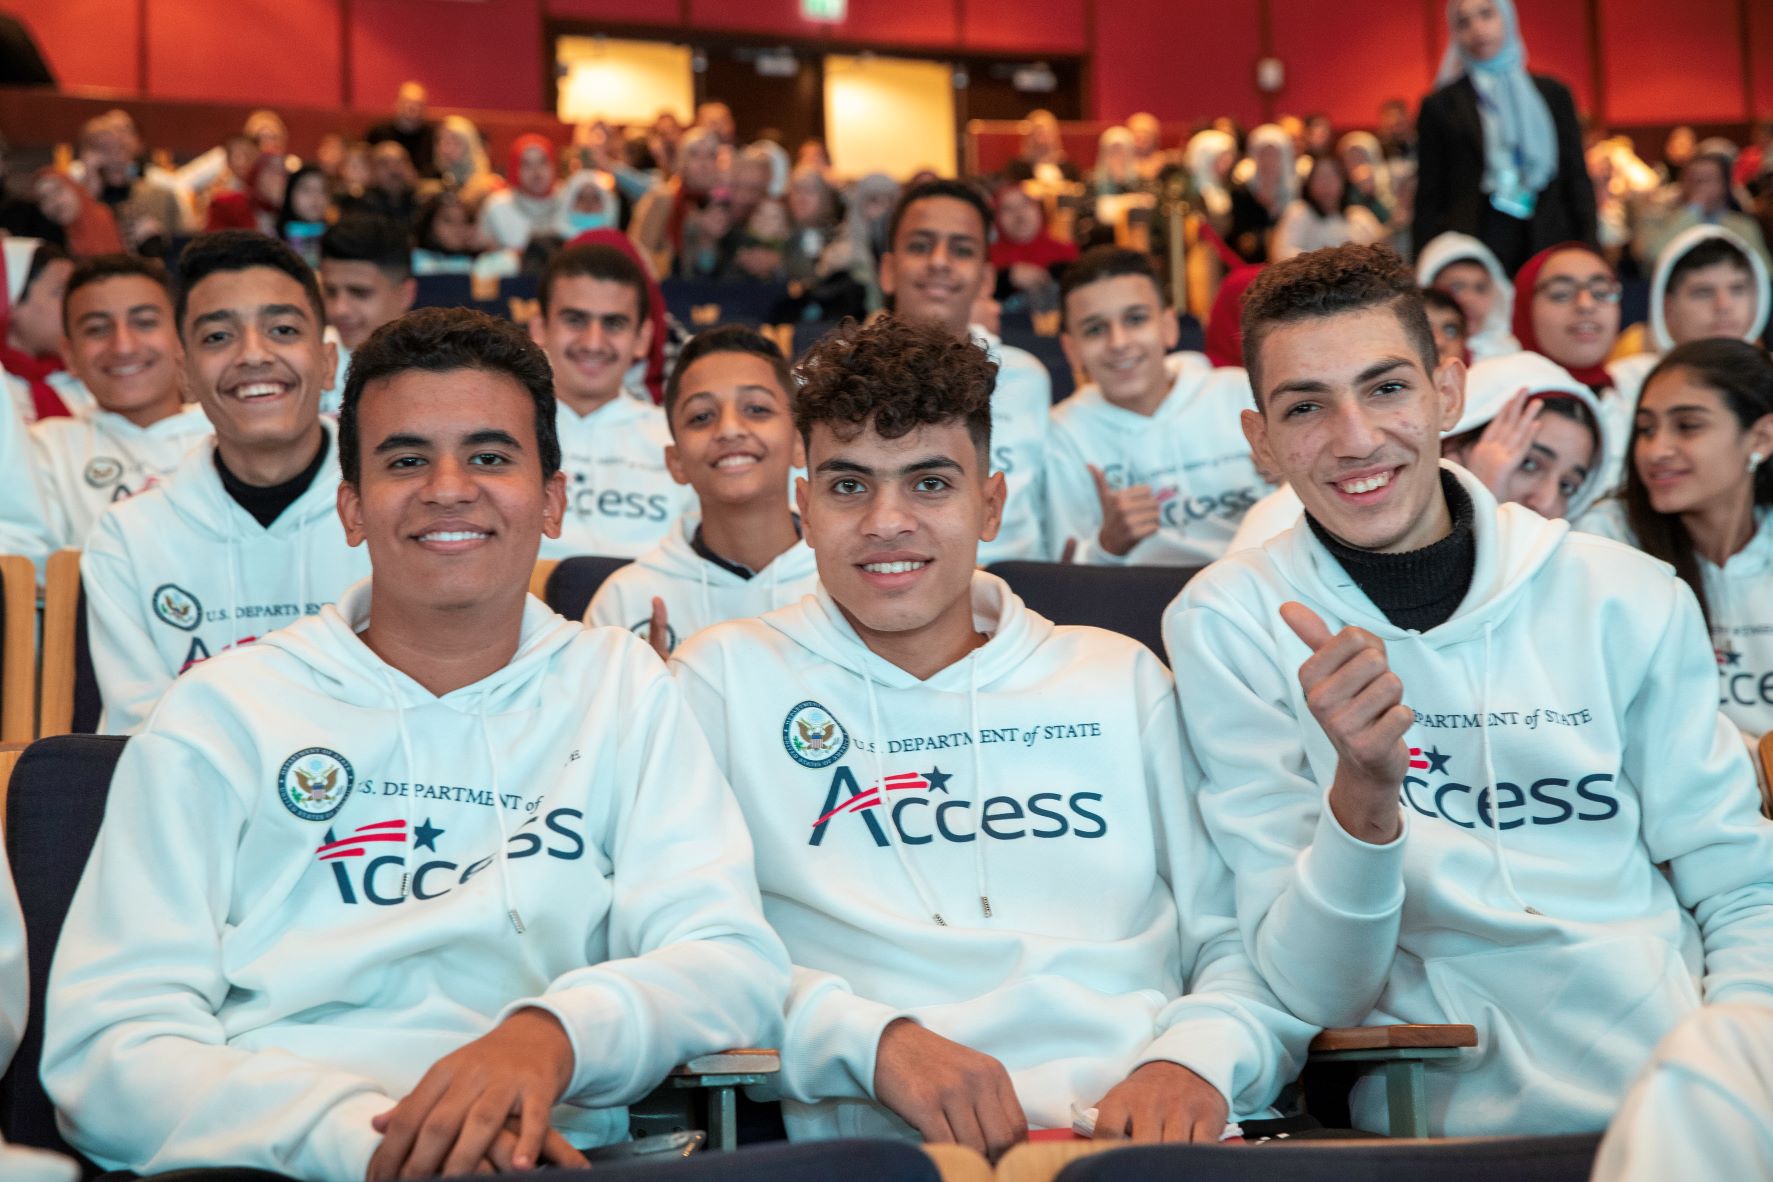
[[937, 264], [620, 497], [1147, 464], [24, 518], [973, 831], [733, 442], [123, 344], [241, 538], [1556, 839], [470, 888], [366, 277]]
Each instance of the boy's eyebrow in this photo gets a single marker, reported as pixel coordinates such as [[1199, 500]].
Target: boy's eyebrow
[[927, 464]]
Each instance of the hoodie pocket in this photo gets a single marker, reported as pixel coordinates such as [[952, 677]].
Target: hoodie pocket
[[1562, 1031]]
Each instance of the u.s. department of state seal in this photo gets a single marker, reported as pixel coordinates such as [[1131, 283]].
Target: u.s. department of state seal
[[813, 737], [176, 606], [102, 471], [314, 783]]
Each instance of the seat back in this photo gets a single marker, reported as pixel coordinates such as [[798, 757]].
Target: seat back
[[18, 649], [1485, 1159], [573, 582], [1129, 600], [54, 804]]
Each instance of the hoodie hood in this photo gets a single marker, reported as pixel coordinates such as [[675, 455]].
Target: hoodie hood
[[195, 491], [1678, 247], [1491, 383], [1513, 542], [675, 557], [1493, 337]]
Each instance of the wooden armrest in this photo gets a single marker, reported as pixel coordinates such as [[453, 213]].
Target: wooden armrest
[[1386, 1038], [740, 1061]]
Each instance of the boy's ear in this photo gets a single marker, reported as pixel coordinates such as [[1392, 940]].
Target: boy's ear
[[674, 464]]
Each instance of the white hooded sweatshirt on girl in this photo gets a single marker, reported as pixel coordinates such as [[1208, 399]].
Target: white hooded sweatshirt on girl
[[1005, 853], [1615, 878], [1493, 337], [358, 877], [181, 572], [1191, 453], [697, 593]]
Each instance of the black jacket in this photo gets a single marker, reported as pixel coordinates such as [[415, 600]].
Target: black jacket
[[1450, 169]]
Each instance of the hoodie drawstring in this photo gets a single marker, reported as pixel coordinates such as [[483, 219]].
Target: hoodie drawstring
[[407, 771], [1495, 789], [917, 883], [979, 871], [492, 764]]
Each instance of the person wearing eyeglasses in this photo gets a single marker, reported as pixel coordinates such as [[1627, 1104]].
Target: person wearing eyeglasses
[[1566, 307]]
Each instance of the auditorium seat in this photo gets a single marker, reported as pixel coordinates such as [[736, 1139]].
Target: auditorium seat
[[1125, 599], [70, 702], [18, 649], [567, 584], [1487, 1159]]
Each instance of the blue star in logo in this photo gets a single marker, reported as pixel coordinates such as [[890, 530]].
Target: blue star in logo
[[1436, 761], [1730, 655], [425, 836], [938, 780]]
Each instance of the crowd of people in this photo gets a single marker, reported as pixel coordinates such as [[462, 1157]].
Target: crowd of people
[[403, 874]]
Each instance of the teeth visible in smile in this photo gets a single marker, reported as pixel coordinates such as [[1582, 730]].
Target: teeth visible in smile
[[735, 461], [892, 568], [258, 390], [128, 371], [454, 535], [1365, 485]]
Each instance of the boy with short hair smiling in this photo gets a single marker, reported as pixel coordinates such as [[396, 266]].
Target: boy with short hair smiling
[[972, 826], [1147, 464], [733, 442]]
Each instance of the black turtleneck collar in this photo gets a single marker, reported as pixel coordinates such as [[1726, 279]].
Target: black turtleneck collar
[[1418, 589], [267, 504]]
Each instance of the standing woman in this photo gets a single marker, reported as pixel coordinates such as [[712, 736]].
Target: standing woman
[[1499, 150]]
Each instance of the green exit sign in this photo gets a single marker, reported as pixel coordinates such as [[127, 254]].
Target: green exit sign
[[828, 11]]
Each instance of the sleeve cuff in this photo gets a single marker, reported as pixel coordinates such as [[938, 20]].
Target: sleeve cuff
[[344, 1149], [831, 1051], [1350, 876], [1210, 1044], [593, 1019]]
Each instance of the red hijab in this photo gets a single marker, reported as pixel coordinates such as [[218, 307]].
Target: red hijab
[[32, 370], [1525, 281], [519, 146], [1225, 333], [1043, 250], [655, 303]]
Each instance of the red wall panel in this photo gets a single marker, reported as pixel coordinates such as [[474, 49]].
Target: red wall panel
[[65, 32], [1760, 44], [754, 16], [486, 54], [247, 51], [1027, 26], [1664, 64], [1183, 60], [1346, 59], [621, 12], [934, 23]]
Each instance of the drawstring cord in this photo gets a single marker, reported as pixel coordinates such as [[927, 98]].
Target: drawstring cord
[[979, 870], [1495, 789], [917, 883], [492, 763], [407, 772]]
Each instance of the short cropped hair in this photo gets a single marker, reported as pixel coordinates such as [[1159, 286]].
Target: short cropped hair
[[594, 260], [370, 238], [100, 267], [1333, 282], [728, 338], [1105, 262], [1434, 297], [959, 190], [1708, 253], [241, 250], [442, 340], [894, 375]]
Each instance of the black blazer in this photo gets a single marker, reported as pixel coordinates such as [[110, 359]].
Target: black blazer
[[1450, 169]]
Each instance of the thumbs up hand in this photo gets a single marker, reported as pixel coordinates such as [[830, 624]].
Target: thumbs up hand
[[658, 630], [1358, 701]]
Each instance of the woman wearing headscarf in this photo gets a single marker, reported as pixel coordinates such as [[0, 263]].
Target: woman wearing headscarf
[[1463, 268], [460, 156], [1257, 204], [1369, 175], [1499, 149], [1024, 253], [256, 205], [88, 227], [510, 217], [1207, 162]]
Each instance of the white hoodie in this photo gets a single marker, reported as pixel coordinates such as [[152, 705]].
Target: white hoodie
[[24, 518], [366, 878], [1040, 772], [1739, 599], [88, 463], [1191, 452], [1494, 336], [697, 593], [1678, 247], [620, 497], [179, 573], [1019, 407], [1628, 878]]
